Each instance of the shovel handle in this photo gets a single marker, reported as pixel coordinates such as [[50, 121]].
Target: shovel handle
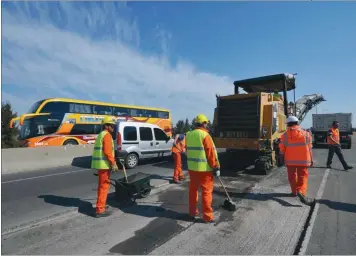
[[124, 169], [224, 189]]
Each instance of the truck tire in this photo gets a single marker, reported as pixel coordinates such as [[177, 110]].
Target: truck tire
[[131, 161], [349, 145]]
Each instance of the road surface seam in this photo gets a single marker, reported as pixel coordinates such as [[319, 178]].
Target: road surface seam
[[308, 228]]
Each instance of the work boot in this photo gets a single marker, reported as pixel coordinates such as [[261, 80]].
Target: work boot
[[292, 194], [103, 214], [175, 181], [349, 168], [328, 166], [305, 200]]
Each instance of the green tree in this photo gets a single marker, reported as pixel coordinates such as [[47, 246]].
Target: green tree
[[179, 128], [186, 125], [8, 135]]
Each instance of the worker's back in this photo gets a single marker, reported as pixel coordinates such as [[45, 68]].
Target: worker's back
[[298, 145]]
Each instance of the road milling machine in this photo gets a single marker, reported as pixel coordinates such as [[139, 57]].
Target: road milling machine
[[254, 121]]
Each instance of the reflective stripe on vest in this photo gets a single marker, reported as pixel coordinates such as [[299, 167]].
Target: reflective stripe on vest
[[196, 156], [305, 151], [335, 135], [98, 159]]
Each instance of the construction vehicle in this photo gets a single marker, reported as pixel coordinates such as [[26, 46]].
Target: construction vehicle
[[323, 122], [254, 121]]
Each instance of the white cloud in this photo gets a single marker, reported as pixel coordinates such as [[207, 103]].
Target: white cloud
[[51, 61]]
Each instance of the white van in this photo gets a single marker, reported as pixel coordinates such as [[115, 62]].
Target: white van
[[137, 140]]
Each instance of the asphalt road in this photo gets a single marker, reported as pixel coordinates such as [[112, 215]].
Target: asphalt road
[[267, 222], [31, 197], [334, 230]]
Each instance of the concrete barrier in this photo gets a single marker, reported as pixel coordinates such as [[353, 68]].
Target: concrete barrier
[[28, 159]]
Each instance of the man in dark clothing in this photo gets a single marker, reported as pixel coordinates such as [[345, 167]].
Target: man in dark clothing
[[335, 146]]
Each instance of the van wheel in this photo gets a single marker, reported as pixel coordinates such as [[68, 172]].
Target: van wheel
[[131, 161], [70, 142]]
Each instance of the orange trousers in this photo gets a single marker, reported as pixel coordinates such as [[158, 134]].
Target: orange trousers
[[204, 180], [103, 190], [298, 179], [178, 172]]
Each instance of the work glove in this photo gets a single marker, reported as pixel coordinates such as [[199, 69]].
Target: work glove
[[312, 163], [114, 168], [216, 172]]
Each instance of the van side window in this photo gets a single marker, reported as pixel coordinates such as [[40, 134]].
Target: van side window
[[159, 134], [130, 133], [146, 134]]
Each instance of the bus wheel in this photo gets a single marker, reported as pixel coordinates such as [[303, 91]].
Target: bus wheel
[[70, 142], [131, 161]]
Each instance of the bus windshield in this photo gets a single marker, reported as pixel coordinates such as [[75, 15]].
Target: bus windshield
[[39, 126], [34, 107]]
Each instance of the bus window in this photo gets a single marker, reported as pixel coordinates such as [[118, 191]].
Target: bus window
[[121, 111], [163, 114], [39, 126], [137, 112], [80, 108], [102, 110], [151, 113], [35, 106], [56, 107], [81, 129]]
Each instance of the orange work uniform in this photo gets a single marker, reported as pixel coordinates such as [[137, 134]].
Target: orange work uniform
[[177, 150], [296, 146], [205, 180], [104, 175]]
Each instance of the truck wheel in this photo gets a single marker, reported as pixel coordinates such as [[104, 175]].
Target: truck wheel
[[131, 161], [348, 146], [70, 142]]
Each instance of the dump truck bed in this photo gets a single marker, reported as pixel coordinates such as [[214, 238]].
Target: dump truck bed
[[323, 122]]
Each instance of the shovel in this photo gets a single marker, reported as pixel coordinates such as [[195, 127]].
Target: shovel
[[124, 169], [228, 204]]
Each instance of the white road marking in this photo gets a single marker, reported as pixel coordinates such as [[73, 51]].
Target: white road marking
[[43, 176], [306, 241]]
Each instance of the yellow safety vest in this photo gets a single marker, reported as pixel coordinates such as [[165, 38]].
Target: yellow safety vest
[[98, 159], [196, 157]]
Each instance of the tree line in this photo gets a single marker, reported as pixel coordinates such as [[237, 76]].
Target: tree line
[[186, 126], [9, 136]]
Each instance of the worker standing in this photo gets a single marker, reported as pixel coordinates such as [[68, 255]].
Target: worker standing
[[203, 164], [296, 153], [103, 159], [335, 147], [177, 150]]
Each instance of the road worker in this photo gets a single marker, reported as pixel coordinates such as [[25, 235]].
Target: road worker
[[177, 150], [103, 159], [203, 164], [335, 147], [296, 153]]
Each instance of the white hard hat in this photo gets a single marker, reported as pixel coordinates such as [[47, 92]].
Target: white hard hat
[[292, 119]]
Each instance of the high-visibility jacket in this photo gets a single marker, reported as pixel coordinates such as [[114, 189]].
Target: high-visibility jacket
[[98, 159], [196, 157], [335, 134], [296, 145], [178, 145]]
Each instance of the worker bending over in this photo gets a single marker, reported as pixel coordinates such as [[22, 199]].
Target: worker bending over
[[177, 150], [103, 159], [203, 163], [335, 147], [296, 153]]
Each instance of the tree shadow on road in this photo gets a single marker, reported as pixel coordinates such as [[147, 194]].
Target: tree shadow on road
[[346, 207], [261, 197], [84, 207]]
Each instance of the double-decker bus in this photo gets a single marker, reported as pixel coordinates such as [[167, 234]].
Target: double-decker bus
[[60, 121]]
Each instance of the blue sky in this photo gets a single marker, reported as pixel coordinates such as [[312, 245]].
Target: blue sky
[[175, 55]]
